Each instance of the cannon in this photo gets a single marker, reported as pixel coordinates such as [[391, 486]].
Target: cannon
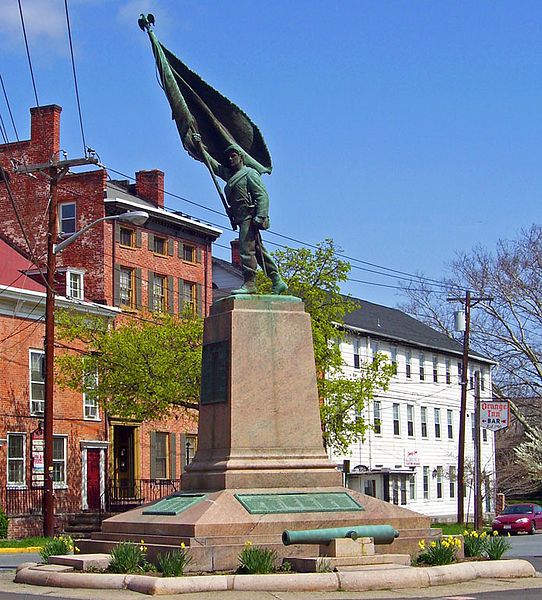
[[382, 534]]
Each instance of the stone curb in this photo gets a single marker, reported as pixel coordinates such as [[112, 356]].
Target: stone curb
[[411, 577], [19, 550]]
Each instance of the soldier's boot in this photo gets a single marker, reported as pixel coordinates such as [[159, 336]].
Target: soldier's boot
[[278, 284], [249, 287]]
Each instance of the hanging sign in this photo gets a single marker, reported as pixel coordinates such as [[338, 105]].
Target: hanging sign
[[494, 415], [411, 458], [38, 447]]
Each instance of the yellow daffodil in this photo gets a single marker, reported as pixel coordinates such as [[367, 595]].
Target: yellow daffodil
[[248, 543], [142, 542], [183, 545], [497, 533], [433, 544], [421, 544], [77, 549]]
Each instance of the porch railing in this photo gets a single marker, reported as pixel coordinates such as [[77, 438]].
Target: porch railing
[[123, 495], [28, 501]]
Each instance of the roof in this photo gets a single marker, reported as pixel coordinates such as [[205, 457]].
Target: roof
[[117, 194], [13, 268], [395, 325]]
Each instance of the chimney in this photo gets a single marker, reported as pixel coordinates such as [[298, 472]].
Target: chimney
[[150, 186], [45, 132], [235, 256]]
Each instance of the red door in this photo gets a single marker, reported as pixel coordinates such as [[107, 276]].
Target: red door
[[93, 479]]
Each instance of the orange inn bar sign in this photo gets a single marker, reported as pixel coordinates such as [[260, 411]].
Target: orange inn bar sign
[[494, 415]]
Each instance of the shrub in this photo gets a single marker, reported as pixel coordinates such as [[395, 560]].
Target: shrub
[[475, 543], [173, 564], [4, 522], [253, 559], [128, 557], [496, 546], [61, 544], [440, 552]]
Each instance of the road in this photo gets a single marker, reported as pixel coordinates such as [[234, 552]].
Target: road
[[523, 546]]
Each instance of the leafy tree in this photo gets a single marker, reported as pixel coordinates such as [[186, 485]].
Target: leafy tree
[[315, 277], [141, 369]]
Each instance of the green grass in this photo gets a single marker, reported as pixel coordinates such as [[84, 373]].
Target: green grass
[[454, 528], [25, 543]]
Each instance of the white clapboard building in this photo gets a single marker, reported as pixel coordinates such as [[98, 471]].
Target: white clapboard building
[[410, 455]]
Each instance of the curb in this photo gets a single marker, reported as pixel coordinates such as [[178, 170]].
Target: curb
[[410, 577], [20, 550]]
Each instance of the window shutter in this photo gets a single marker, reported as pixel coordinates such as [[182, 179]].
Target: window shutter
[[170, 247], [171, 294], [117, 232], [198, 254], [138, 238], [181, 296], [150, 237], [182, 452], [153, 454], [150, 285], [172, 457], [199, 292], [116, 284], [180, 250], [138, 287]]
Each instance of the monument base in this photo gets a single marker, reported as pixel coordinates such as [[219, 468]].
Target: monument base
[[260, 465]]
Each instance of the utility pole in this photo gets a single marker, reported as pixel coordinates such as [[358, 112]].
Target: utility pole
[[469, 302], [56, 171], [478, 517]]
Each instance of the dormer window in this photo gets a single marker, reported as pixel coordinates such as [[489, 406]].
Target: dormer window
[[74, 284]]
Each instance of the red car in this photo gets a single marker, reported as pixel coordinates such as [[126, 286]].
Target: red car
[[518, 517]]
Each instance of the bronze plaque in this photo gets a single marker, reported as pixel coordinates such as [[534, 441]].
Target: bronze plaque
[[215, 372], [260, 504]]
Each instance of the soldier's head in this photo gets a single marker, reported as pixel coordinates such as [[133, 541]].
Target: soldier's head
[[234, 157]]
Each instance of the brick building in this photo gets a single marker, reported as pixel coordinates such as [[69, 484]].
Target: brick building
[[163, 266]]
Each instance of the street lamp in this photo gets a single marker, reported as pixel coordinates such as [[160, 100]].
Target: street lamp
[[135, 217]]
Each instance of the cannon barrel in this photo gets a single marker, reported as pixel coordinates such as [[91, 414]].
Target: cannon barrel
[[382, 534]]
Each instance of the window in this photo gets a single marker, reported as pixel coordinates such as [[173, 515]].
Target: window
[[426, 483], [412, 486], [439, 482], [408, 359], [410, 420], [377, 416], [437, 422], [473, 426], [190, 296], [396, 428], [459, 373], [435, 368], [90, 400], [450, 417], [451, 477], [369, 487], [191, 444], [159, 293], [394, 357], [16, 459], [403, 491], [189, 253], [161, 455], [37, 382], [160, 245], [448, 372], [74, 284], [127, 237], [482, 380], [126, 287], [484, 435], [59, 460], [374, 350], [423, 416], [356, 354], [66, 212], [421, 359], [471, 378]]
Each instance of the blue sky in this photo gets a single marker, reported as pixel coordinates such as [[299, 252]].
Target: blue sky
[[405, 131]]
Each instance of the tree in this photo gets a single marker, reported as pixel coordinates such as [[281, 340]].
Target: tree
[[142, 369], [509, 328], [315, 277]]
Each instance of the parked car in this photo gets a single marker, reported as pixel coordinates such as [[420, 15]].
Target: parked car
[[518, 517]]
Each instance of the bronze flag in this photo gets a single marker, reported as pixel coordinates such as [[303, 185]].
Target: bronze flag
[[199, 108]]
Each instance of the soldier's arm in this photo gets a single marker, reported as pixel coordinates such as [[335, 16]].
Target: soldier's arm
[[258, 194], [202, 155]]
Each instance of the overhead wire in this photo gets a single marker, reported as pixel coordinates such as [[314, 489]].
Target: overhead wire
[[28, 54], [9, 108]]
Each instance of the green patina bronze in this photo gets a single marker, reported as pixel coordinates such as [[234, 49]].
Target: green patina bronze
[[303, 502], [215, 372], [174, 504], [218, 133]]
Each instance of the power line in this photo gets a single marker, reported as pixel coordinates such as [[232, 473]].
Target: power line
[[9, 108], [28, 54], [75, 77]]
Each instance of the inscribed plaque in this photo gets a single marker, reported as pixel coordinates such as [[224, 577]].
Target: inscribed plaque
[[293, 502], [215, 372], [174, 504]]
